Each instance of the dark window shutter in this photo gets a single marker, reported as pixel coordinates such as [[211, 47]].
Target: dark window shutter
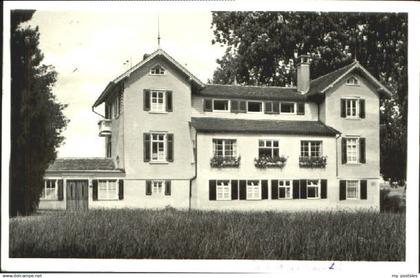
[[169, 101], [276, 107], [362, 150], [170, 145], [362, 113], [301, 108], [168, 188], [343, 108], [264, 189], [274, 189], [295, 189], [121, 189], [342, 190], [94, 190], [234, 106], [146, 100], [323, 189], [212, 190], [148, 187], [343, 151], [268, 107], [242, 189], [303, 189], [242, 106], [363, 189], [146, 147], [208, 105], [234, 189], [60, 190]]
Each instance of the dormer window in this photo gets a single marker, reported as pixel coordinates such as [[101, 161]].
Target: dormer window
[[157, 70], [352, 81]]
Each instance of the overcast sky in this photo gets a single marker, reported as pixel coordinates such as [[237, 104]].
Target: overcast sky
[[88, 49]]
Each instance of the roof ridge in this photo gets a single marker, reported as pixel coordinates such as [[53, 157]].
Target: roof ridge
[[254, 86], [92, 157], [319, 77]]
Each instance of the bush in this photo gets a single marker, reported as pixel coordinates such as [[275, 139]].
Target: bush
[[391, 203]]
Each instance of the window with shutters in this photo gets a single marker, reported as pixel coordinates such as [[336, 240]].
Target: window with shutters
[[352, 150], [220, 105], [287, 108], [223, 190], [157, 187], [50, 190], [352, 189], [158, 147], [313, 189], [107, 190], [157, 70], [285, 189], [268, 148], [253, 190], [157, 101]]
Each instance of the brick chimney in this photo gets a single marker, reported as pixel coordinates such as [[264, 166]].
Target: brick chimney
[[303, 74]]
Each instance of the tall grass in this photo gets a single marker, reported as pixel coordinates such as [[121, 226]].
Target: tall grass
[[171, 234]]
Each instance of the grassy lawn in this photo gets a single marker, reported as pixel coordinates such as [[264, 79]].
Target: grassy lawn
[[171, 234]]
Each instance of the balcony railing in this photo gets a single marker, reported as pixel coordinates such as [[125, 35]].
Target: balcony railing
[[225, 162], [270, 162], [312, 161], [105, 127]]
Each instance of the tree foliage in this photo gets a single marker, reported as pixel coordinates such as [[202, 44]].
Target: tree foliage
[[36, 117], [261, 48]]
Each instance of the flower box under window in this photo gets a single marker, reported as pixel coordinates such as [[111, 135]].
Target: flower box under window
[[270, 162], [225, 162], [312, 161]]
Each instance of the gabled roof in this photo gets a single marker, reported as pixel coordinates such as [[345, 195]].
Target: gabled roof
[[319, 85], [83, 164], [157, 53], [207, 124], [251, 92]]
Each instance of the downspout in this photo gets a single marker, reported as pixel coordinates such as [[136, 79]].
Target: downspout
[[195, 172], [336, 154]]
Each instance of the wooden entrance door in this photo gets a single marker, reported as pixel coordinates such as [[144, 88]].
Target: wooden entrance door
[[77, 194]]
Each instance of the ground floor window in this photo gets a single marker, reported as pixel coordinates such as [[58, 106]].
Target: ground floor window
[[107, 190], [253, 190], [49, 191], [285, 189], [352, 189], [313, 189], [223, 190], [158, 187]]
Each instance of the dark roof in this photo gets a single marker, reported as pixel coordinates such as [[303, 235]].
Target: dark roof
[[320, 83], [83, 164], [251, 92], [206, 124]]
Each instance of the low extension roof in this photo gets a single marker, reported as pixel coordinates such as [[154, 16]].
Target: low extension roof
[[207, 124], [83, 164], [251, 92]]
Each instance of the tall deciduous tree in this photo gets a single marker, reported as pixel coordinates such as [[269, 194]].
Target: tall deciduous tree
[[261, 48], [36, 117]]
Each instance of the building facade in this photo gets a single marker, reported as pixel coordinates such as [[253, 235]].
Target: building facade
[[173, 141]]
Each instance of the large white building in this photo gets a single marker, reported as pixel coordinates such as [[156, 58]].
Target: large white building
[[172, 140]]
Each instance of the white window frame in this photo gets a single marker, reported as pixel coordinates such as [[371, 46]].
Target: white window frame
[[53, 197], [357, 186], [354, 105], [218, 110], [223, 190], [158, 74], [272, 147], [354, 83], [356, 150], [288, 113], [157, 141], [311, 144], [108, 195], [224, 147], [255, 112], [253, 191], [318, 186], [158, 107], [156, 191], [282, 184]]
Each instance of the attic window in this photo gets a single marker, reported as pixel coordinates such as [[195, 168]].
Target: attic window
[[352, 81], [157, 70]]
